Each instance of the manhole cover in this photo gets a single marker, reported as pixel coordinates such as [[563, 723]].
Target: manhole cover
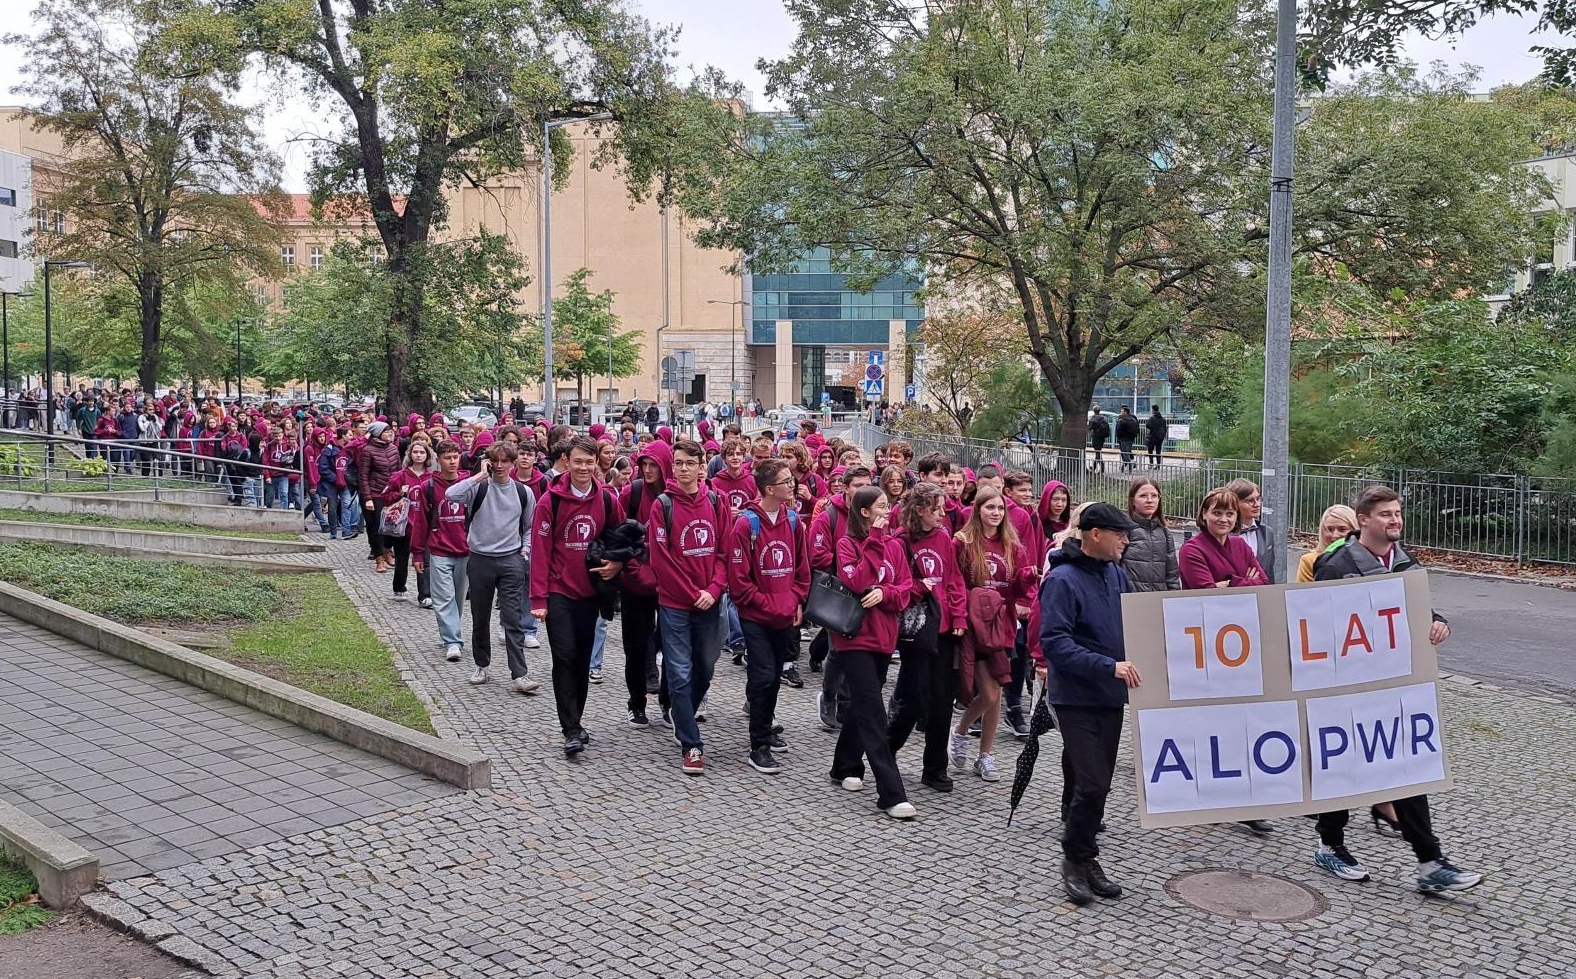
[[1247, 896]]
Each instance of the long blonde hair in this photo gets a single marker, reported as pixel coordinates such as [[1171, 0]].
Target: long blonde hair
[[972, 536]]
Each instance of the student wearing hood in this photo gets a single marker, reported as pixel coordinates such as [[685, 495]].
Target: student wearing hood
[[638, 609]]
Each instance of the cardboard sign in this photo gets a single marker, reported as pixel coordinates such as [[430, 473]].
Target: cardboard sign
[[1284, 699]]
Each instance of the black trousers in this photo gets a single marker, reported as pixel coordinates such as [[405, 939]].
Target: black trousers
[[638, 616], [864, 732], [503, 577], [401, 547], [1411, 814], [820, 647], [1154, 451], [374, 517], [768, 649], [1090, 736], [571, 631], [1012, 693], [1126, 446], [927, 682]]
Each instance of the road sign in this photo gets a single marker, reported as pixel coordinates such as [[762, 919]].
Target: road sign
[[873, 387], [875, 357], [874, 372], [909, 392]]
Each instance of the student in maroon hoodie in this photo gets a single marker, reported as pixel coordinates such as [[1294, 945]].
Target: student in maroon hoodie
[[638, 604], [768, 579], [874, 566], [439, 546], [575, 513], [736, 483], [685, 534], [828, 527], [927, 683]]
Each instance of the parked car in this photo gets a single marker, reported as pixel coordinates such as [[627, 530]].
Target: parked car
[[476, 414]]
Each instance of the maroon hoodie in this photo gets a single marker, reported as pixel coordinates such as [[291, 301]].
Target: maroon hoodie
[[439, 529], [740, 491], [936, 573], [828, 527], [564, 527], [878, 561], [686, 554], [769, 577], [637, 504]]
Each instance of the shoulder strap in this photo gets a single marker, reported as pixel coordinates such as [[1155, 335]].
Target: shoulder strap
[[754, 520], [666, 502], [607, 509], [793, 519], [831, 523], [527, 504], [634, 498], [476, 503]]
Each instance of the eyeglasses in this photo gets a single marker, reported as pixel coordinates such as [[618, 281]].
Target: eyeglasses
[[785, 482]]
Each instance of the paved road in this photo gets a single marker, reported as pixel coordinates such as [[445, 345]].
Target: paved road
[[150, 773], [618, 865], [1518, 634]]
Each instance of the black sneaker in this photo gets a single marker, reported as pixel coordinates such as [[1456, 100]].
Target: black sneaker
[[777, 743], [738, 654], [941, 782], [667, 717], [815, 666], [1259, 827], [762, 761], [573, 745], [792, 678], [637, 718], [585, 737], [1102, 885], [975, 728], [1016, 721], [777, 729]]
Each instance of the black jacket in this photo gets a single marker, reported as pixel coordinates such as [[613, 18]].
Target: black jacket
[[1156, 424], [1353, 560], [1099, 430], [1126, 428], [623, 543]]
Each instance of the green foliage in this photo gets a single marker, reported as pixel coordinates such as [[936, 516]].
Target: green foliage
[[1230, 421], [586, 338], [165, 181], [1559, 424], [1011, 398], [129, 590], [14, 461], [319, 643], [471, 336], [17, 912]]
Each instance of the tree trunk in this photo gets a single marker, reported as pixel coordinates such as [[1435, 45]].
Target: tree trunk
[[150, 302]]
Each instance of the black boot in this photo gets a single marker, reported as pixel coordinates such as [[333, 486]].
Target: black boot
[[1102, 885], [1075, 878]]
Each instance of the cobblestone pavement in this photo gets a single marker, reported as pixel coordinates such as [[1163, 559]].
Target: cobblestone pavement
[[150, 773], [619, 865]]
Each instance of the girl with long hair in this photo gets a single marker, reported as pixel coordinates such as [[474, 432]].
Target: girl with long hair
[[409, 484], [1151, 556]]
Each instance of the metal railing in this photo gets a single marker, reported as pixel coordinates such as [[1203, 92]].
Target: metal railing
[[37, 462], [1496, 515]]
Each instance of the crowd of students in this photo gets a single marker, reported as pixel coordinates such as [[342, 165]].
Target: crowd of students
[[706, 547]]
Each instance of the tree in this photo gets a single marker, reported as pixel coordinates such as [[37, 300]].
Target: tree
[[961, 346], [1013, 401], [586, 338], [158, 166], [1105, 161], [436, 92], [336, 319]]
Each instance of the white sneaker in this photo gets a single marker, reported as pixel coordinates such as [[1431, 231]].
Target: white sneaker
[[959, 753], [525, 685], [531, 642], [451, 652], [985, 768], [854, 784], [480, 676], [903, 810], [425, 603]]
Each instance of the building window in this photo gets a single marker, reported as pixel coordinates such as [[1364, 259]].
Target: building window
[[8, 249], [8, 196], [287, 256], [317, 256]]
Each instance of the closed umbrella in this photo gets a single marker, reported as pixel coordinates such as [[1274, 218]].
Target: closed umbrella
[[1040, 721]]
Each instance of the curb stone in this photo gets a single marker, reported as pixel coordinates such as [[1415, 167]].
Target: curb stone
[[122, 917]]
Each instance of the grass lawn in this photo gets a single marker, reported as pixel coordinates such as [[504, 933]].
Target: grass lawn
[[19, 907], [297, 628], [170, 526]]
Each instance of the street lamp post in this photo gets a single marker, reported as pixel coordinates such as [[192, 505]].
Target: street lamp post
[[49, 359], [733, 345], [238, 323], [547, 251]]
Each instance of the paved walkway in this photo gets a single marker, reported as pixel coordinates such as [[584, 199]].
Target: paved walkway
[[151, 773], [619, 865]]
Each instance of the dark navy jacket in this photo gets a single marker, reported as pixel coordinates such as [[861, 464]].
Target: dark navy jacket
[[1081, 629]]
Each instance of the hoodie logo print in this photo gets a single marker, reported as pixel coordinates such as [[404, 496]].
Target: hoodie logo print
[[776, 562], [697, 539], [578, 534]]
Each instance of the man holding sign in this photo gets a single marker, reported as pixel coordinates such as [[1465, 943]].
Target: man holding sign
[[1374, 549]]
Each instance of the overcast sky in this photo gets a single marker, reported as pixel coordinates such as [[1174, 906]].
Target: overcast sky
[[734, 34]]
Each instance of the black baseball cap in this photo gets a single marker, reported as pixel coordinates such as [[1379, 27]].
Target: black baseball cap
[[1104, 516]]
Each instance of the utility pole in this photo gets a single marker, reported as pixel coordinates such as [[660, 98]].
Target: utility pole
[[1274, 474], [547, 251]]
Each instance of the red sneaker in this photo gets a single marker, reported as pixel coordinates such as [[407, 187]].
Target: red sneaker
[[694, 762]]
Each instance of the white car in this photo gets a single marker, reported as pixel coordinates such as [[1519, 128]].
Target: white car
[[475, 414]]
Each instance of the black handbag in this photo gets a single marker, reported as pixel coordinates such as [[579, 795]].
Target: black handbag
[[913, 619], [832, 605]]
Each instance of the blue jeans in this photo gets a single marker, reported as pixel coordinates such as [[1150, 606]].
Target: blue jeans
[[690, 649], [252, 491], [314, 508], [328, 505], [735, 628], [528, 624], [598, 644], [281, 495], [447, 577], [349, 512]]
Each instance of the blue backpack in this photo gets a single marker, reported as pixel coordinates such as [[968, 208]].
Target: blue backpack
[[754, 520]]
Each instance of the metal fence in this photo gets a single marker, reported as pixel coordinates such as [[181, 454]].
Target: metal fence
[[36, 462], [1519, 518]]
